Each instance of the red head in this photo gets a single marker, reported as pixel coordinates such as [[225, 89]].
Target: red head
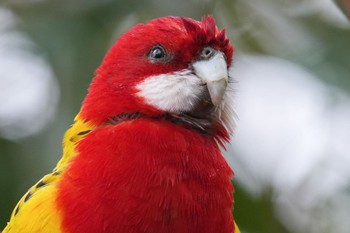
[[152, 69]]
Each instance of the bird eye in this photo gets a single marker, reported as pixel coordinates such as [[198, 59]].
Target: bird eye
[[157, 53]]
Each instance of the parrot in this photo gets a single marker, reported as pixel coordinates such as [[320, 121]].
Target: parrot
[[144, 154]]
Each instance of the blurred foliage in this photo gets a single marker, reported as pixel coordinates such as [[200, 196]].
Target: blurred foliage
[[255, 214], [74, 36]]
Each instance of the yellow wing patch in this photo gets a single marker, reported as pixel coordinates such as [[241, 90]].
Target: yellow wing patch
[[36, 212], [79, 130]]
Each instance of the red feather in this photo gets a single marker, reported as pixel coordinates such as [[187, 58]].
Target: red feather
[[147, 176]]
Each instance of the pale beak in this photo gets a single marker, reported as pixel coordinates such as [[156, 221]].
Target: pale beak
[[213, 72]]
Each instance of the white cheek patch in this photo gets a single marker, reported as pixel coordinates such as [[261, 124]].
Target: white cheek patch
[[179, 92], [175, 92]]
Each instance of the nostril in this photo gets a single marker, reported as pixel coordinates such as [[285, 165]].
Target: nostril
[[207, 52]]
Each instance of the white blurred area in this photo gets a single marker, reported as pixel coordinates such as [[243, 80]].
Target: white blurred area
[[324, 8], [293, 133], [293, 136], [28, 90]]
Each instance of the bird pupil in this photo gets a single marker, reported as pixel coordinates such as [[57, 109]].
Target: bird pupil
[[157, 53]]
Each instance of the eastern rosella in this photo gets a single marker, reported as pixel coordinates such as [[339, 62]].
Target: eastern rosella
[[143, 154]]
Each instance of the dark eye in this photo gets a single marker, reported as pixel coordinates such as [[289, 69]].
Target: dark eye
[[157, 53]]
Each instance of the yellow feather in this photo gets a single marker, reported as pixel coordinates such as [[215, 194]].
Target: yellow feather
[[73, 135], [236, 228], [37, 212]]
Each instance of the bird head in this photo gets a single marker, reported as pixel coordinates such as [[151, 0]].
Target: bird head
[[171, 67]]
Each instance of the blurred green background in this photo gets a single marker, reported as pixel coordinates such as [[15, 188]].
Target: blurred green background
[[50, 49]]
